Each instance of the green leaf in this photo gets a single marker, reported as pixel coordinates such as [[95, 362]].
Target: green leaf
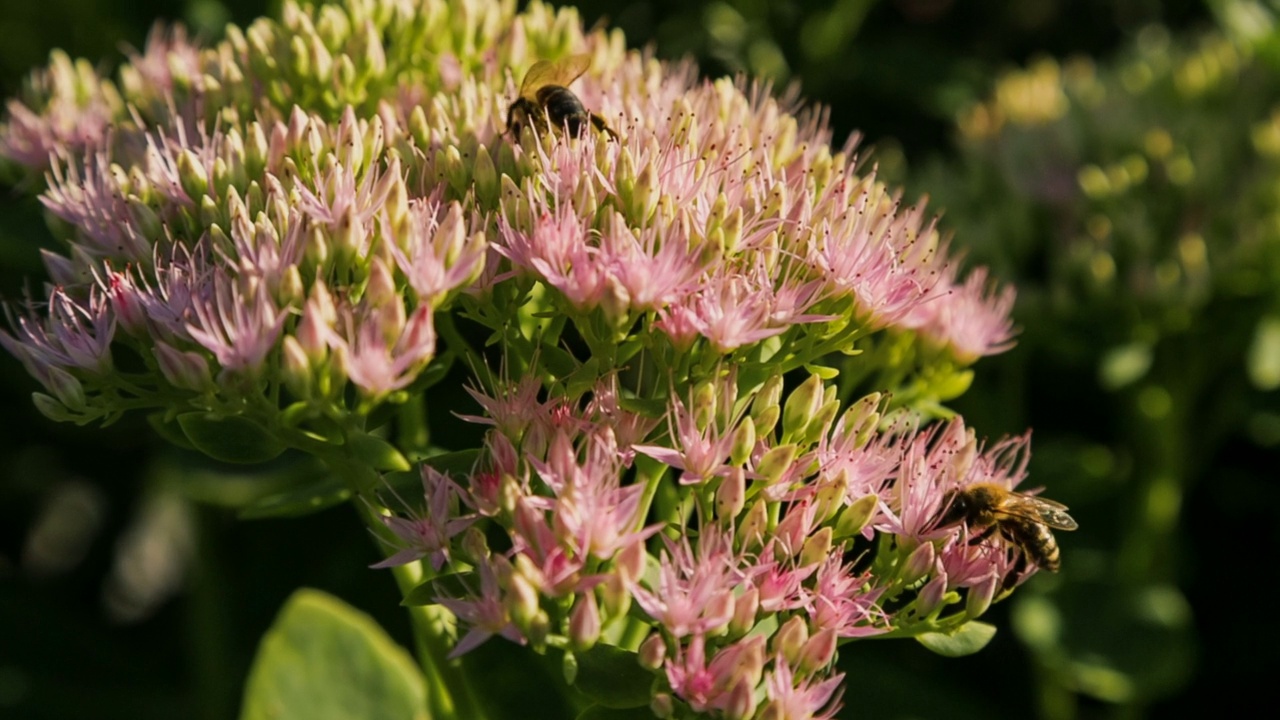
[[967, 639], [324, 660], [645, 407], [305, 500], [377, 453], [230, 439], [168, 430], [822, 371], [613, 677], [458, 462]]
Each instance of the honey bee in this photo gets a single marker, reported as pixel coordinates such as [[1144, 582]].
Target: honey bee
[[1025, 521], [545, 94]]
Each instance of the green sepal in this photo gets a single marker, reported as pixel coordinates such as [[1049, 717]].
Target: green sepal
[[613, 677], [967, 639], [322, 659], [231, 439], [377, 453]]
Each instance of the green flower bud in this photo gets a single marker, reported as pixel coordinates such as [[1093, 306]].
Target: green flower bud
[[801, 407], [855, 517], [776, 462], [817, 548]]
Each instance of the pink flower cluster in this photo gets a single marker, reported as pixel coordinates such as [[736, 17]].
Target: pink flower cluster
[[295, 225], [823, 527]]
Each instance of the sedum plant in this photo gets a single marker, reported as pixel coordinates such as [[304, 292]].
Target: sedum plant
[[708, 351]]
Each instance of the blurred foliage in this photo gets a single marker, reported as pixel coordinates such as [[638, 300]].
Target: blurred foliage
[[1136, 205], [1131, 193]]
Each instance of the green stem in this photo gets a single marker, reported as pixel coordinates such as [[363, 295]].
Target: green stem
[[449, 691]]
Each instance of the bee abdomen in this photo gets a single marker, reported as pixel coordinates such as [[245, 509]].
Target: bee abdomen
[[1038, 543], [563, 107]]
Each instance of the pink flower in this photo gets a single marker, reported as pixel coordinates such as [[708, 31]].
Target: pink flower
[[792, 698], [973, 319], [75, 335], [594, 513], [845, 602], [237, 321], [428, 533], [714, 686], [378, 367], [701, 454], [438, 256], [693, 593], [70, 112], [483, 611]]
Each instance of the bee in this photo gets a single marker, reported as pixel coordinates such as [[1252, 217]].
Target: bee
[[1025, 521], [545, 94]]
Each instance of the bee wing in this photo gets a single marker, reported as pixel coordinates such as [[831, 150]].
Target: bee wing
[[557, 72], [1040, 510]]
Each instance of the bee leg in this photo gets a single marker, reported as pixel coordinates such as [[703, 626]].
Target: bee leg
[[1017, 571], [600, 125], [981, 537]]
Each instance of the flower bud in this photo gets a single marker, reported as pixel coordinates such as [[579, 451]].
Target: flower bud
[[978, 599], [584, 622], [731, 496], [192, 175], [631, 561], [769, 396], [744, 441], [918, 563], [521, 598], [662, 706], [816, 548], [776, 462], [704, 405], [52, 409], [186, 370], [615, 595], [855, 517], [485, 177], [790, 639], [65, 387], [821, 420], [653, 652], [818, 652], [754, 527], [740, 701], [474, 547], [931, 596], [829, 499], [801, 407], [718, 613], [745, 607], [296, 367]]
